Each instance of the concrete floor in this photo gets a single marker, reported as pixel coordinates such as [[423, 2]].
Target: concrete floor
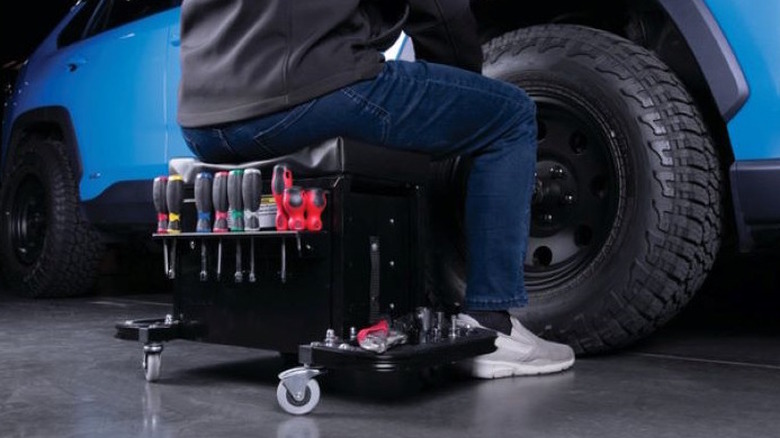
[[712, 372]]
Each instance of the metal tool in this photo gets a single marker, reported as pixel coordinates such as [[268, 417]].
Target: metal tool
[[173, 200], [158, 196], [236, 216], [252, 192], [280, 180], [315, 203], [204, 205], [295, 208], [220, 198]]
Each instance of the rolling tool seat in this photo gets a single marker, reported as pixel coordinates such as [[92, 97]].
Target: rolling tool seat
[[365, 261]]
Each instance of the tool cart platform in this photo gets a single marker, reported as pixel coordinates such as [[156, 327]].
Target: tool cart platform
[[348, 294]]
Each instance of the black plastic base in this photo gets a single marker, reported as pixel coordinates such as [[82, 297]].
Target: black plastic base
[[402, 357]]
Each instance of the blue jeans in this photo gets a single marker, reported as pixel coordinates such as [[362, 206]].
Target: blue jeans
[[434, 109]]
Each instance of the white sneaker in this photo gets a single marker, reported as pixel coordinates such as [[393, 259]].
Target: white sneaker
[[522, 353]]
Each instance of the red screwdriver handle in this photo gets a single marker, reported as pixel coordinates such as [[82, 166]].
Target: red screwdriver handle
[[315, 204], [281, 179], [159, 194], [295, 207]]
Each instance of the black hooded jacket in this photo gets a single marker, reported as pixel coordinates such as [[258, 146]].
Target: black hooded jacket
[[247, 58]]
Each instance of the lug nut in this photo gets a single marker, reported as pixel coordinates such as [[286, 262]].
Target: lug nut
[[547, 218], [568, 199]]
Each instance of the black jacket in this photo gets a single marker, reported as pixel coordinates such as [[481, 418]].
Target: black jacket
[[246, 58]]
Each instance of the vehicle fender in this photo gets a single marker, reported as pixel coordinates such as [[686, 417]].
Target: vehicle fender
[[713, 53], [50, 120]]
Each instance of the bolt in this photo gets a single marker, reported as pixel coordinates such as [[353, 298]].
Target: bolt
[[557, 172]]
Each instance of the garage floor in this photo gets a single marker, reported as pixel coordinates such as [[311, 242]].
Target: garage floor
[[713, 372]]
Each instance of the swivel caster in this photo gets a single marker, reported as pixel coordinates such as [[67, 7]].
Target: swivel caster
[[298, 393], [152, 362]]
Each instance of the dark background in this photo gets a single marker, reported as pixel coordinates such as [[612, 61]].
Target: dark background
[[26, 23]]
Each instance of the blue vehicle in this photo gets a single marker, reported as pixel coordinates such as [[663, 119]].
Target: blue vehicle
[[656, 149]]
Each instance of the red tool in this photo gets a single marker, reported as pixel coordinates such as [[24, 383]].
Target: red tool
[[159, 195], [281, 180], [295, 207], [315, 203]]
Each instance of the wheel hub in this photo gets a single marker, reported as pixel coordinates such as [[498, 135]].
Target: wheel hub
[[574, 204], [27, 220]]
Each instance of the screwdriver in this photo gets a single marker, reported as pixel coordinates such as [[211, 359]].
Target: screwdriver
[[235, 208], [251, 190], [315, 203], [295, 208], [203, 202], [173, 200], [236, 215], [219, 195], [280, 180], [158, 195]]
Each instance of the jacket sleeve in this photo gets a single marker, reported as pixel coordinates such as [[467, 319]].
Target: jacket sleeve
[[445, 32]]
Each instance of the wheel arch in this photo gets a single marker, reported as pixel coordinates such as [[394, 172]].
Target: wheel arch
[[48, 122], [682, 33]]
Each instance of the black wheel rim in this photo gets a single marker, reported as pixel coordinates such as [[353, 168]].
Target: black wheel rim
[[576, 202], [27, 220]]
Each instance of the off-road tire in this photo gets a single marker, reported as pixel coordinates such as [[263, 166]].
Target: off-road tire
[[47, 249], [649, 190]]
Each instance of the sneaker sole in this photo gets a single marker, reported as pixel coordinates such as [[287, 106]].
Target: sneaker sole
[[487, 369]]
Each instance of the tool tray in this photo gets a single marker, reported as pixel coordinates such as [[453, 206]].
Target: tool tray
[[367, 263]]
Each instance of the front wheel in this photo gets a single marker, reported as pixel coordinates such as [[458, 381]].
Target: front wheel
[[627, 222]]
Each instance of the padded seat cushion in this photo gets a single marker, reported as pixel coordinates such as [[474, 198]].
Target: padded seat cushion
[[332, 157]]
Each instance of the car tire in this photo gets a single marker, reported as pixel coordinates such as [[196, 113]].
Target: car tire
[[48, 250], [626, 222]]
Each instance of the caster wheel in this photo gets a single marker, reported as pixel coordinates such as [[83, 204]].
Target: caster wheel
[[152, 363], [299, 407]]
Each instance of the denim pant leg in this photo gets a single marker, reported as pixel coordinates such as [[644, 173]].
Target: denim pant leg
[[437, 110]]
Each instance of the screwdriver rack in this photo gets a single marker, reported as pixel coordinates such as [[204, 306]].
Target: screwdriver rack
[[193, 239]]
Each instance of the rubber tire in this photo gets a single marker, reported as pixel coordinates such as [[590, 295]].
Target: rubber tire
[[152, 366], [68, 263], [291, 406], [667, 225]]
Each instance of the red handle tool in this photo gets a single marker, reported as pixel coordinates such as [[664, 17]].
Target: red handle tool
[[159, 195], [315, 203], [281, 180], [295, 207]]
